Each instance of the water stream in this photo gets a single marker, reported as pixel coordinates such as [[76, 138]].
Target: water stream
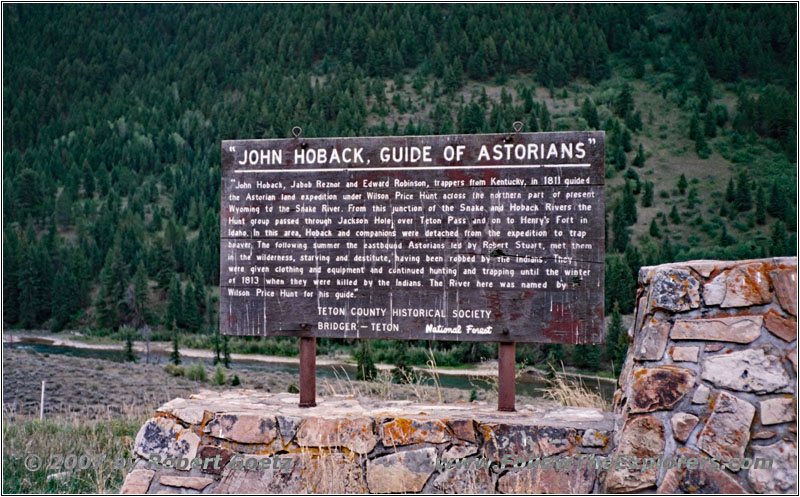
[[529, 384]]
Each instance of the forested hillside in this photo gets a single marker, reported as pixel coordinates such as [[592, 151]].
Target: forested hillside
[[113, 117]]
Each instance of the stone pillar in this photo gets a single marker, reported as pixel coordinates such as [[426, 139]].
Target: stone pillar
[[711, 377]]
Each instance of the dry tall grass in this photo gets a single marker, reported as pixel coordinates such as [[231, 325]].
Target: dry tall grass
[[51, 440], [573, 394]]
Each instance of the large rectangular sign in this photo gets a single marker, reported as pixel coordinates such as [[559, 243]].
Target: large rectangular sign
[[463, 237]]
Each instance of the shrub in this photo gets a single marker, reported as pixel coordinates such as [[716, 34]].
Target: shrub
[[219, 375], [196, 372], [175, 370]]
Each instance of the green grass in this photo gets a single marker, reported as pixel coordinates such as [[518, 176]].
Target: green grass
[[106, 439]]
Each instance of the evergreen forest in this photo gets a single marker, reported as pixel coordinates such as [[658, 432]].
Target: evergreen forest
[[113, 117]]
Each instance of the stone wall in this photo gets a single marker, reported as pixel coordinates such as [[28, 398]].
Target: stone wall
[[347, 445], [711, 373]]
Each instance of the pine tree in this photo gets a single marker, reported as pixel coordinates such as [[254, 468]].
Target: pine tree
[[190, 311], [627, 145], [174, 313], [655, 231], [365, 369], [620, 159], [12, 260], [633, 258], [226, 353], [553, 355], [140, 292], [743, 201], [587, 357], [725, 240], [761, 206], [215, 340], [638, 161], [175, 356], [674, 217], [612, 339], [730, 192], [589, 113], [629, 205], [620, 285], [691, 200], [667, 251], [694, 128], [780, 240], [64, 300], [647, 196], [130, 355], [682, 184], [777, 201], [710, 125], [620, 229], [623, 103], [112, 287]]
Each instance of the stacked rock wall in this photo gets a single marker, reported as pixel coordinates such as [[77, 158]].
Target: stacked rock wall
[[710, 379], [711, 374], [266, 444]]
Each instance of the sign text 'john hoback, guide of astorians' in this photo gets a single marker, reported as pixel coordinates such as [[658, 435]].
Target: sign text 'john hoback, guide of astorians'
[[464, 237]]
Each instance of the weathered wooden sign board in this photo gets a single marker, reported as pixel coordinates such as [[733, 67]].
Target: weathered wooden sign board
[[496, 237]]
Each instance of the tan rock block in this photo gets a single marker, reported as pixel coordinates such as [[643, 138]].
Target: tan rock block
[[164, 437], [764, 434], [465, 480], [401, 472], [137, 481], [659, 388], [577, 480], [652, 340], [460, 451], [785, 283], [737, 329], [685, 354], [463, 429], [747, 285], [357, 434], [209, 452], [727, 431], [714, 290], [781, 478], [783, 328], [701, 395], [757, 370], [502, 439], [682, 425], [404, 431], [244, 427], [334, 474], [642, 436], [264, 480], [707, 481], [778, 410], [195, 482]]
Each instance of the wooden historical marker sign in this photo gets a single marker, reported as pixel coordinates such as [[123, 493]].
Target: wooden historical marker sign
[[494, 237]]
